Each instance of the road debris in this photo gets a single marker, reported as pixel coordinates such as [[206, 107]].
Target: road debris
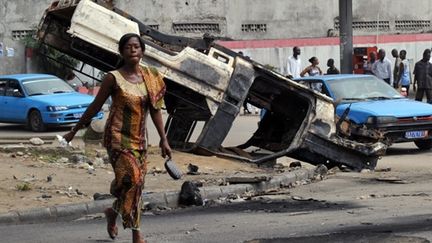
[[36, 141], [193, 169], [190, 194]]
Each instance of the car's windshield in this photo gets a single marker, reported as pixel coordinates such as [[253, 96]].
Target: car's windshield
[[358, 87], [46, 86]]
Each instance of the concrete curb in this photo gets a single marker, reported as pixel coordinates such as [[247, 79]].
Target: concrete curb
[[167, 199]]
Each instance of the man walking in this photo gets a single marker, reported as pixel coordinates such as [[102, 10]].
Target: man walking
[[382, 68], [293, 66], [396, 69], [423, 77]]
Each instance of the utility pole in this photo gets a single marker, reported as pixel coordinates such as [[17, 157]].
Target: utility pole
[[346, 36]]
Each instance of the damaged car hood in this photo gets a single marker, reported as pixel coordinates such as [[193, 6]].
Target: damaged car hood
[[399, 108]]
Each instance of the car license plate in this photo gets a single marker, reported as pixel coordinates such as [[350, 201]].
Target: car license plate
[[77, 115], [416, 134]]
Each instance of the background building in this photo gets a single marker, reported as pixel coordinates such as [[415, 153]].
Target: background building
[[264, 30]]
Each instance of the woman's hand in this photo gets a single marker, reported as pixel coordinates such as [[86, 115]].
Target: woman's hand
[[69, 136], [165, 148]]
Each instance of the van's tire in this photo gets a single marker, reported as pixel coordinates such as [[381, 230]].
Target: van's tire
[[424, 144], [35, 122]]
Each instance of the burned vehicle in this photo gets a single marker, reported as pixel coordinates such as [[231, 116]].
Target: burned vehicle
[[208, 83]]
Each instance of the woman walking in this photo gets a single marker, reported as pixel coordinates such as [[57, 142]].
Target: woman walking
[[135, 92]]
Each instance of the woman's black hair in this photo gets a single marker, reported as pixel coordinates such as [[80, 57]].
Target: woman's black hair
[[312, 59], [122, 42]]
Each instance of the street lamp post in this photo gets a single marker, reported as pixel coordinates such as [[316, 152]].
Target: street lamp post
[[346, 36]]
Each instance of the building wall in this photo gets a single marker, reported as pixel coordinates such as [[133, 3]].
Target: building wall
[[17, 18], [276, 19], [236, 20]]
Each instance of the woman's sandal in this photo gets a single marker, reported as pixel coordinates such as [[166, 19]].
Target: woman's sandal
[[111, 224]]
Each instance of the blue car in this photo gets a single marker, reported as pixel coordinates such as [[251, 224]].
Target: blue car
[[371, 110], [40, 100]]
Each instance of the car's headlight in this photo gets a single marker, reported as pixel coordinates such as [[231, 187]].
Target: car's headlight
[[56, 108], [381, 119]]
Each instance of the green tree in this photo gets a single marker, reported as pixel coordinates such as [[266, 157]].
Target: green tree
[[48, 59]]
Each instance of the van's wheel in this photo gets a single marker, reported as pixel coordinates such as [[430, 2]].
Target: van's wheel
[[424, 144], [35, 122]]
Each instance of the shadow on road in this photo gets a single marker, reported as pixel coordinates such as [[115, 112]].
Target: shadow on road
[[304, 206], [372, 233], [405, 151]]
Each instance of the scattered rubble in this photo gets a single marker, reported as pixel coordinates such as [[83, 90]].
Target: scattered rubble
[[193, 169], [36, 141]]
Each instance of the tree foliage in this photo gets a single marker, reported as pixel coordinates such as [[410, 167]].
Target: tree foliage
[[48, 59]]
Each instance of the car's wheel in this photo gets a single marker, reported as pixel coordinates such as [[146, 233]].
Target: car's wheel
[[35, 122], [424, 144]]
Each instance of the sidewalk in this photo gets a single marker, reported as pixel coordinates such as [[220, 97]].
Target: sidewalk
[[69, 195], [165, 199]]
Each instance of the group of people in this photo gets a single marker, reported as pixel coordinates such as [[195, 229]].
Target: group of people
[[293, 66], [398, 76]]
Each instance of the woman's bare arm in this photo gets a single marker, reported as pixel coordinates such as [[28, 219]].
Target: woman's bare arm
[[156, 116], [104, 92]]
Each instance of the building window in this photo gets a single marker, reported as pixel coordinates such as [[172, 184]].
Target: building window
[[383, 25], [412, 24], [254, 27], [196, 27], [20, 34]]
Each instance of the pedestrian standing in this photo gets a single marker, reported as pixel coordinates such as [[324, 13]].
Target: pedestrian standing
[[370, 63], [382, 68], [293, 66], [331, 67], [136, 91], [245, 102], [313, 69], [423, 77], [404, 72], [395, 54]]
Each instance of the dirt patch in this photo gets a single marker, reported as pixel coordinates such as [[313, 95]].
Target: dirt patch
[[33, 179]]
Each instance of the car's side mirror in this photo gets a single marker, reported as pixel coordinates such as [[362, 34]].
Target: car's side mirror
[[17, 93]]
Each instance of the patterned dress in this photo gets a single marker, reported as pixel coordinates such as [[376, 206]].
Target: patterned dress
[[125, 140]]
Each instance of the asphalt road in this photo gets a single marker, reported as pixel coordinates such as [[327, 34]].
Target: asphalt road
[[381, 206], [392, 206]]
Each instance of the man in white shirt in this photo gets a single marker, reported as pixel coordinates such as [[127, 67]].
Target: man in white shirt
[[293, 66], [382, 68]]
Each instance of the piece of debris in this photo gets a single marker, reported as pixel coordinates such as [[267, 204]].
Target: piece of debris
[[19, 153], [15, 177], [49, 178], [63, 160], [79, 158], [383, 169], [36, 141], [46, 196], [393, 180], [295, 164], [192, 169], [190, 194], [78, 192], [320, 171], [364, 171], [297, 198], [98, 196]]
